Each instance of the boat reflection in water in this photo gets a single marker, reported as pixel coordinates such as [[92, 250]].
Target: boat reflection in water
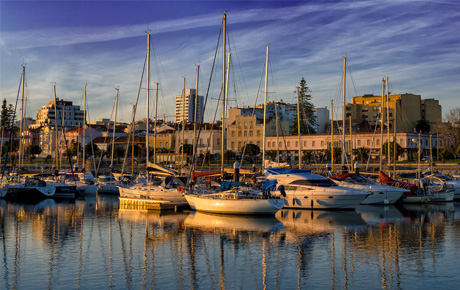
[[93, 244]]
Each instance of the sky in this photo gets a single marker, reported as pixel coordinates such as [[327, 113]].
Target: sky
[[102, 44]]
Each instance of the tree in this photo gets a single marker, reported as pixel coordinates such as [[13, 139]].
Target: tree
[[307, 155], [362, 153], [271, 154], [229, 154], [422, 126], [399, 150], [33, 150], [4, 117], [251, 150], [450, 130], [307, 116]]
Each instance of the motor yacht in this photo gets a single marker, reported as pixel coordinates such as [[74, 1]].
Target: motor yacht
[[305, 190], [378, 194]]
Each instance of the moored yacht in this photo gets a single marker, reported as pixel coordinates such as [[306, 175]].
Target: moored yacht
[[170, 189], [305, 190], [378, 194]]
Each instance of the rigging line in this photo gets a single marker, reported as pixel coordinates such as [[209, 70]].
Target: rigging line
[[352, 79], [106, 137], [131, 132], [253, 113], [285, 146], [206, 99]]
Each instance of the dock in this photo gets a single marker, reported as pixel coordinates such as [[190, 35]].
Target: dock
[[142, 204]]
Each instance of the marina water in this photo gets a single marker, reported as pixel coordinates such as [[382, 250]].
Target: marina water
[[95, 244]]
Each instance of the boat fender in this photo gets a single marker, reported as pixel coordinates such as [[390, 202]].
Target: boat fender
[[281, 190], [293, 201], [181, 188]]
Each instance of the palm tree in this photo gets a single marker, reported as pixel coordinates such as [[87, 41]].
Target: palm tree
[[362, 153]]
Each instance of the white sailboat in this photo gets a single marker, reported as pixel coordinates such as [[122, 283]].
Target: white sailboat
[[171, 188], [240, 199]]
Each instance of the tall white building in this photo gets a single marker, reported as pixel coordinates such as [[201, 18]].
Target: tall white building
[[68, 115], [185, 107]]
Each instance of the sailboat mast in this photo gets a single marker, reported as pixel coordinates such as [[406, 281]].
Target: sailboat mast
[[147, 144], [394, 138], [84, 129], [265, 109], [114, 125], [224, 54], [343, 108], [381, 124], [183, 123], [21, 124], [155, 126], [195, 141], [298, 127], [55, 127], [332, 135], [277, 135], [388, 123]]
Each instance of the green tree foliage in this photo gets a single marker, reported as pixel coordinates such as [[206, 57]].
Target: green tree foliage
[[91, 149], [33, 150], [450, 131], [399, 150], [362, 153], [422, 126], [307, 116], [229, 155], [307, 155], [272, 154], [4, 117], [251, 150]]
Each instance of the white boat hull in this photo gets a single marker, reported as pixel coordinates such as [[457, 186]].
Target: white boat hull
[[152, 192], [442, 197], [212, 203], [108, 188], [322, 200], [415, 199]]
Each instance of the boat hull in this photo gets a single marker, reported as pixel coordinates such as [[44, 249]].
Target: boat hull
[[382, 197], [152, 193], [249, 206], [306, 200]]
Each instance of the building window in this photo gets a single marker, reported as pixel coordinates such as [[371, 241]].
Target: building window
[[273, 144], [368, 142], [288, 144], [239, 133], [250, 133], [233, 133], [239, 145], [245, 133], [268, 144], [312, 144], [296, 144], [359, 142], [322, 143], [233, 145]]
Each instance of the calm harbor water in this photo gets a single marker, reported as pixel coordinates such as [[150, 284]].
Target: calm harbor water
[[93, 244]]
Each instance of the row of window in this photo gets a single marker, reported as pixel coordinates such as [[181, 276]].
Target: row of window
[[245, 133]]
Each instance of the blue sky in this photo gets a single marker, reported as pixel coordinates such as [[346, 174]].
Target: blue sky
[[103, 44]]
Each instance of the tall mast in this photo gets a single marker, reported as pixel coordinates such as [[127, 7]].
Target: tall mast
[[298, 126], [155, 127], [332, 135], [343, 108], [265, 110], [394, 138], [183, 123], [381, 124], [21, 124], [147, 144], [55, 127], [224, 55], [195, 141], [277, 135], [388, 123], [113, 133], [84, 129]]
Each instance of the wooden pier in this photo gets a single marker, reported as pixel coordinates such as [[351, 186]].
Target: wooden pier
[[142, 204]]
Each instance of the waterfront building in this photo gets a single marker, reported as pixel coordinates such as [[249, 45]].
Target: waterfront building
[[185, 107], [320, 144], [410, 109], [209, 139], [245, 125]]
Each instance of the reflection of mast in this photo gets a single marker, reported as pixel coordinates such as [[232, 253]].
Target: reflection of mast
[[264, 264], [5, 264], [344, 258], [333, 260], [222, 275]]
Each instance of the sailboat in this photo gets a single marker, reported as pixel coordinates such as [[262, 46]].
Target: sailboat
[[168, 190], [239, 199], [32, 189]]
